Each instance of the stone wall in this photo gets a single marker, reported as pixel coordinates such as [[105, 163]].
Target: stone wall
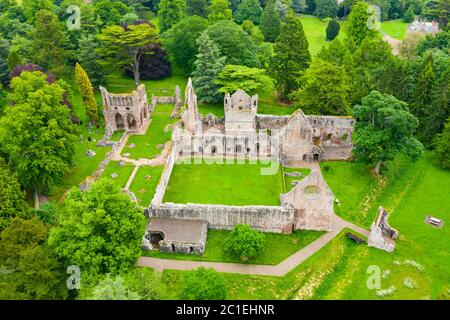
[[265, 218], [165, 177]]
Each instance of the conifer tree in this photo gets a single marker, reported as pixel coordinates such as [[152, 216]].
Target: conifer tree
[[270, 22], [87, 93], [209, 64], [291, 56]]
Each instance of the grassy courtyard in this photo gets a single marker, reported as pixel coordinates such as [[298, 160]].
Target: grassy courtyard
[[123, 173], [229, 184], [278, 247], [158, 133], [288, 186], [145, 182]]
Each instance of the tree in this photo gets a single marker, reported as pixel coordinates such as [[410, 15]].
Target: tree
[[282, 7], [251, 80], [197, 7], [310, 6], [384, 127], [248, 26], [442, 146], [170, 13], [4, 52], [12, 198], [324, 89], [204, 284], [440, 41], [333, 28], [153, 66], [110, 12], [409, 15], [409, 45], [208, 65], [326, 8], [359, 21], [125, 46], [244, 242], [219, 10], [48, 43], [88, 57], [100, 230], [86, 93], [32, 270], [113, 288], [36, 133], [270, 22], [248, 10], [181, 42], [291, 56], [298, 5], [234, 43], [32, 7], [438, 10]]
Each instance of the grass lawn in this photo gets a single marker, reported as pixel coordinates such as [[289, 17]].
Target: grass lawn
[[352, 183], [278, 247], [394, 28], [157, 133], [145, 182], [123, 172], [229, 184], [288, 180]]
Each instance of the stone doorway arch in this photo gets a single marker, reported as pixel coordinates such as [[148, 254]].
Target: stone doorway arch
[[131, 120], [120, 124]]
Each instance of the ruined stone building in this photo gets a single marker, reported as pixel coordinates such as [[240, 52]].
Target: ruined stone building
[[382, 235], [125, 111], [244, 132]]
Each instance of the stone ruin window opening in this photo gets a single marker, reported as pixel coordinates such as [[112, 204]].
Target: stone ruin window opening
[[191, 249], [257, 147], [131, 122], [213, 150], [329, 136], [305, 157], [238, 148], [173, 247], [155, 238], [316, 156]]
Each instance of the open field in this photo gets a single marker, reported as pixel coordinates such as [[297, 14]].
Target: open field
[[230, 184], [394, 28], [278, 247]]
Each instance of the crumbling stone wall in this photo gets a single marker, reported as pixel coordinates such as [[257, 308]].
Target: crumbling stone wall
[[165, 177], [265, 218], [382, 235]]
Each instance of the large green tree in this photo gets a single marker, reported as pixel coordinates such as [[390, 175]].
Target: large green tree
[[87, 94], [31, 269], [219, 10], [89, 58], [234, 43], [48, 43], [324, 89], [4, 52], [12, 198], [170, 13], [110, 12], [384, 128], [244, 242], [208, 65], [181, 42], [36, 133], [197, 7], [326, 8], [248, 10], [32, 7], [251, 80], [291, 56], [124, 46], [438, 10], [100, 230], [442, 146], [361, 23], [270, 22], [204, 284]]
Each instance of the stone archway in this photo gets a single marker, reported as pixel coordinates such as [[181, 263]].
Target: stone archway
[[120, 124], [131, 120]]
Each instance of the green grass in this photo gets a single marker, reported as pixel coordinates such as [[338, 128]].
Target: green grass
[[278, 247], [144, 188], [339, 270], [229, 184], [117, 135], [394, 28], [352, 184], [288, 180], [158, 133], [123, 172]]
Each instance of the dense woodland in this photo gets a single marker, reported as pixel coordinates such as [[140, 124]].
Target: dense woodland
[[400, 102]]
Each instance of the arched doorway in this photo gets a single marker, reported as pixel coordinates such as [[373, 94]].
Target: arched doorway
[[132, 125], [120, 125], [155, 238], [213, 150]]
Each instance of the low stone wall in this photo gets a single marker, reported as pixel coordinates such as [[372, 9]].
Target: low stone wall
[[165, 177], [275, 219]]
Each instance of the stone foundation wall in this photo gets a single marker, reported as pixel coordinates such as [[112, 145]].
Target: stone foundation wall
[[264, 218], [165, 177]]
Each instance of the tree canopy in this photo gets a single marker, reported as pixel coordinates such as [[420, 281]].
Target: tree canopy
[[244, 242], [251, 80], [204, 284]]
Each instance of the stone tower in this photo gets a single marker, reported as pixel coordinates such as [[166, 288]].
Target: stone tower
[[240, 112]]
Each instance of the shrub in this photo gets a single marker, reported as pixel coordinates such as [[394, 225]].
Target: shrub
[[204, 284]]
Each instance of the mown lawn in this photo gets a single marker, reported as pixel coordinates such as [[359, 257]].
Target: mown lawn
[[288, 180], [230, 184], [145, 182], [278, 247], [158, 133], [394, 28], [123, 173], [339, 270]]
